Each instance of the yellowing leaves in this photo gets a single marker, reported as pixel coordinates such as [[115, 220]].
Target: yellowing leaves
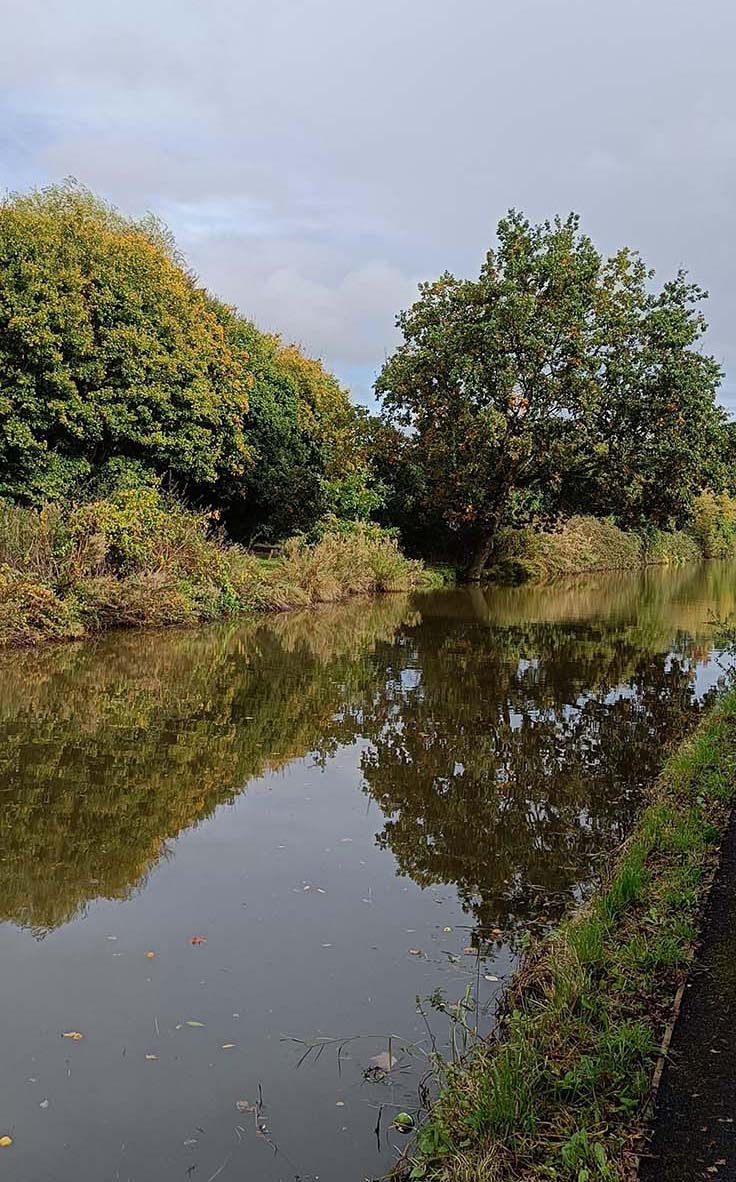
[[5, 1142], [74, 1035]]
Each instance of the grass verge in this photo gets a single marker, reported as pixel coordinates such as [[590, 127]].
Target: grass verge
[[582, 544], [138, 559], [562, 1089]]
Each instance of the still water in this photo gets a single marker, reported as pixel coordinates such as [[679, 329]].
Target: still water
[[232, 859]]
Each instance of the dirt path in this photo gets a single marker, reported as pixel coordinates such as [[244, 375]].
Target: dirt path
[[695, 1121]]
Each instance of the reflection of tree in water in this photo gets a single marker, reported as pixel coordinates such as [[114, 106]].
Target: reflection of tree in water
[[508, 774], [499, 752], [109, 749]]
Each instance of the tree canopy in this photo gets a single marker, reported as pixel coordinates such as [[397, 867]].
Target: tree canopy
[[114, 360], [558, 380], [108, 349]]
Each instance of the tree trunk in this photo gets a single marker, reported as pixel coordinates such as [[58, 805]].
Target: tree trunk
[[477, 564]]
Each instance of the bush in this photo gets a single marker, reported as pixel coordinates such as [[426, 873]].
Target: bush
[[714, 523], [580, 544], [137, 558], [671, 549], [31, 611]]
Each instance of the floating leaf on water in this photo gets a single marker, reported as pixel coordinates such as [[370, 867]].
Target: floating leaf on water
[[44, 1104], [195, 1023], [228, 1046], [404, 1122], [198, 940], [150, 955], [5, 1142], [152, 1057], [385, 1061], [447, 929], [73, 1034], [339, 1104], [415, 952], [489, 977]]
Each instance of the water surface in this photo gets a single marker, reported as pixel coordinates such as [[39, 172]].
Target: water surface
[[309, 821]]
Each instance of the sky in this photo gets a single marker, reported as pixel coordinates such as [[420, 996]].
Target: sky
[[316, 159]]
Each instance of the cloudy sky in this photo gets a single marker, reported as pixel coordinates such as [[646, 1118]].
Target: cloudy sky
[[316, 158]]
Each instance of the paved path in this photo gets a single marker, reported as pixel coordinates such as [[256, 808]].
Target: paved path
[[695, 1121]]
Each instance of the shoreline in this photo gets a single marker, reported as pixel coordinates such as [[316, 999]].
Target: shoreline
[[563, 1089]]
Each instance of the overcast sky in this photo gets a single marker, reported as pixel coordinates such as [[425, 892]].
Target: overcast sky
[[315, 159]]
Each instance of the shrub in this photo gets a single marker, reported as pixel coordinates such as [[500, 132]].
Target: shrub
[[137, 558], [671, 548], [714, 523], [31, 611], [580, 544]]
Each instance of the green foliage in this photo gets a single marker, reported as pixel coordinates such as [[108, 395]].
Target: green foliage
[[555, 381], [107, 348], [714, 523], [138, 558], [670, 547], [116, 368]]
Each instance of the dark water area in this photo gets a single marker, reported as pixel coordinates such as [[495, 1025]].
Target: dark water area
[[309, 821]]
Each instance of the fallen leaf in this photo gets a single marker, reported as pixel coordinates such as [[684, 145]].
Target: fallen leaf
[[415, 952], [152, 1057], [489, 977], [447, 929], [5, 1142], [404, 1122], [339, 1104], [195, 1023], [74, 1034], [150, 955], [198, 940]]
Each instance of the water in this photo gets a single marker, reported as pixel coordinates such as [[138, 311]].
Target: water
[[351, 807]]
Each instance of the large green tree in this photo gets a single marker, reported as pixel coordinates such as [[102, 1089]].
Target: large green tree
[[556, 380], [108, 348]]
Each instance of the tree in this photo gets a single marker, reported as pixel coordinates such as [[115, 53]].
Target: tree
[[282, 490], [108, 349], [517, 393]]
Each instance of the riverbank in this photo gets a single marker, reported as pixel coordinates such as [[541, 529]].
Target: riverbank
[[585, 544], [562, 1089], [693, 1128], [137, 559]]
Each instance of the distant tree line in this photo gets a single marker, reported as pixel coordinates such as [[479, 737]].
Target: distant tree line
[[559, 382]]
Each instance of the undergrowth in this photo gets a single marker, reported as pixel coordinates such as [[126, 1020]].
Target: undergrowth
[[561, 1090], [139, 559], [585, 543]]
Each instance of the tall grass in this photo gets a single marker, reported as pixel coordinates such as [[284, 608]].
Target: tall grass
[[137, 559], [583, 544]]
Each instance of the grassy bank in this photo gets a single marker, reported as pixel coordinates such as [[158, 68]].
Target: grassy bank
[[137, 559], [584, 544], [561, 1091]]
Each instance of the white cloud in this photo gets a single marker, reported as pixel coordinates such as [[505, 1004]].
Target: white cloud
[[314, 158]]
